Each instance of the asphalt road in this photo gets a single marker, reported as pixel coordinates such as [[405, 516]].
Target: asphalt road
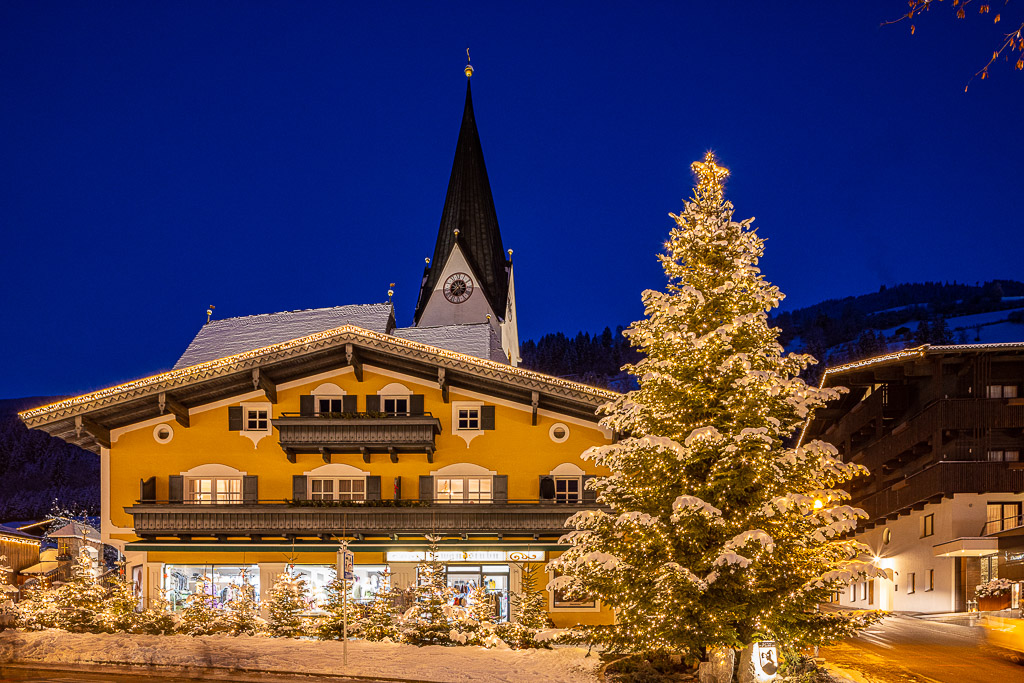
[[98, 674], [907, 650]]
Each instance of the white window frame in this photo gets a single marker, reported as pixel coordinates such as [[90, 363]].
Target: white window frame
[[568, 471], [335, 493], [567, 497], [328, 392], [256, 434], [216, 496], [465, 484], [468, 433], [559, 426], [395, 392]]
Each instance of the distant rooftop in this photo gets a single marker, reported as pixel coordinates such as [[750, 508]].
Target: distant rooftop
[[221, 338], [478, 339]]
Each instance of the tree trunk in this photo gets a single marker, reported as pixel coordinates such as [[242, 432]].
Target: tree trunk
[[746, 665], [719, 667]]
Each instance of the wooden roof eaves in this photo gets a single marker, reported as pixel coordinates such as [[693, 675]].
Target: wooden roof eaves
[[366, 340]]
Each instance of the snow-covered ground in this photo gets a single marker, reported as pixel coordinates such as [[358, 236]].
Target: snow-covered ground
[[286, 655]]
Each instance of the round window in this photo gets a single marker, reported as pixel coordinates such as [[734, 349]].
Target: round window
[[163, 433], [558, 432]]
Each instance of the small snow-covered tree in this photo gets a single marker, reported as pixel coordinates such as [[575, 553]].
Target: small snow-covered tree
[[120, 607], [80, 601], [158, 618], [719, 533], [429, 620], [530, 614], [202, 617], [243, 613], [381, 622], [339, 607], [286, 602]]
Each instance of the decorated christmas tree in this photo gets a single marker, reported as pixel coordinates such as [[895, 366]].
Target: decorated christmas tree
[[243, 617], [381, 622], [80, 602], [720, 531], [121, 607], [478, 622], [158, 618], [285, 604], [429, 620], [339, 607], [202, 617], [529, 612]]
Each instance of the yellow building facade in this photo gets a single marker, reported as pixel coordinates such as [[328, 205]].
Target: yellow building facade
[[278, 438]]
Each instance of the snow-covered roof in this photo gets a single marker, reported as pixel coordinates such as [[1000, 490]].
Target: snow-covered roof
[[41, 568], [76, 530], [221, 338], [7, 532], [478, 339]]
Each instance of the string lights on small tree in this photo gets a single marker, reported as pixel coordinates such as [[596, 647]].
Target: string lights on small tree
[[713, 539]]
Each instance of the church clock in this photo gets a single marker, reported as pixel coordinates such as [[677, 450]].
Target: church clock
[[458, 287]]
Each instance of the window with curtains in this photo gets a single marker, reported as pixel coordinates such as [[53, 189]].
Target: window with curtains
[[212, 490]]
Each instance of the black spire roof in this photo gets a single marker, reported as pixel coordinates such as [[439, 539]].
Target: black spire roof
[[469, 208]]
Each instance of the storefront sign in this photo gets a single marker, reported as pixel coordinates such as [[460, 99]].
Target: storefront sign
[[765, 660], [468, 556]]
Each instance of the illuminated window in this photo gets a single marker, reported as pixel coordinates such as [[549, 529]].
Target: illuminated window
[[1012, 455], [1002, 391], [211, 490], [887, 536], [337, 488], [911, 583], [928, 526], [1002, 516], [463, 490]]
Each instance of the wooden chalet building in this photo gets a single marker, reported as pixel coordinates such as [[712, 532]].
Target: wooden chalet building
[[277, 436], [941, 430]]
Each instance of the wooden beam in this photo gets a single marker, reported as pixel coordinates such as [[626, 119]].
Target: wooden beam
[[261, 381], [393, 453], [366, 453], [441, 382], [430, 454], [98, 432], [180, 412], [353, 359], [535, 401], [290, 454], [325, 453]]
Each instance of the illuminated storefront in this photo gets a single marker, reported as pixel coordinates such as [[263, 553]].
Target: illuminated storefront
[[221, 582]]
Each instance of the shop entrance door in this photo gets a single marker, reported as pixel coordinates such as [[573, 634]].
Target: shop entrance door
[[462, 579]]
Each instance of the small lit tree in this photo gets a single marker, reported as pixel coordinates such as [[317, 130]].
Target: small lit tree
[[201, 616], [243, 616], [428, 621], [285, 604], [381, 620], [339, 607], [120, 608], [158, 618], [530, 614], [80, 602]]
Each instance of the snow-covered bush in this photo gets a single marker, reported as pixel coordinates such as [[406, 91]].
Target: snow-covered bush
[[202, 617], [994, 588]]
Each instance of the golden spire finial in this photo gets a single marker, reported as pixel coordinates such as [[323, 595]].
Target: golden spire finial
[[469, 68], [709, 176]]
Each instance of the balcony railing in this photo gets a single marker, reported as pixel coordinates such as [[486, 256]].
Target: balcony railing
[[374, 518], [994, 526], [357, 432]]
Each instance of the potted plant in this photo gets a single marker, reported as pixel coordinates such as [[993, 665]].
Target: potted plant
[[994, 595]]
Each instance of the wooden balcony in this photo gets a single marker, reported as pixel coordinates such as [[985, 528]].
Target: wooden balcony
[[918, 435], [381, 519], [941, 480], [364, 433]]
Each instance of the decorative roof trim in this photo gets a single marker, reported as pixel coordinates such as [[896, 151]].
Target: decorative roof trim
[[346, 333], [885, 358]]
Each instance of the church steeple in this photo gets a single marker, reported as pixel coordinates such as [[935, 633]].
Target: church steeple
[[469, 222]]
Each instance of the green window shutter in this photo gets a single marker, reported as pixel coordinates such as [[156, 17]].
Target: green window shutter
[[147, 490], [235, 419], [372, 403], [486, 417], [373, 488], [589, 496], [547, 487], [350, 403], [175, 488], [499, 488], [416, 404], [426, 488], [298, 487], [250, 489], [307, 405]]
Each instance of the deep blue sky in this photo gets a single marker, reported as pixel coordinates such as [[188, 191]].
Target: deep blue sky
[[159, 157]]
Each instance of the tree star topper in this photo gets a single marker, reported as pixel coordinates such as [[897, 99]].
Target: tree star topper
[[709, 176]]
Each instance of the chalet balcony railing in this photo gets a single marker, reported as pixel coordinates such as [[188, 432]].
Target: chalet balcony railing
[[944, 414], [938, 480], [886, 402], [994, 526], [325, 518], [357, 432]]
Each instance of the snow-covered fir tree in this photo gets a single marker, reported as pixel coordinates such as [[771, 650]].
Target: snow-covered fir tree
[[477, 623], [121, 606], [429, 620], [80, 601], [286, 603], [719, 533], [202, 616], [243, 613], [381, 622], [158, 618], [339, 607], [530, 614]]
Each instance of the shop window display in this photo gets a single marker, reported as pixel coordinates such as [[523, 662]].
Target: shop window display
[[462, 579], [221, 582], [367, 581]]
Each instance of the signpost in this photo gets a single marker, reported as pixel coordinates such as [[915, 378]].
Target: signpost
[[346, 572]]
